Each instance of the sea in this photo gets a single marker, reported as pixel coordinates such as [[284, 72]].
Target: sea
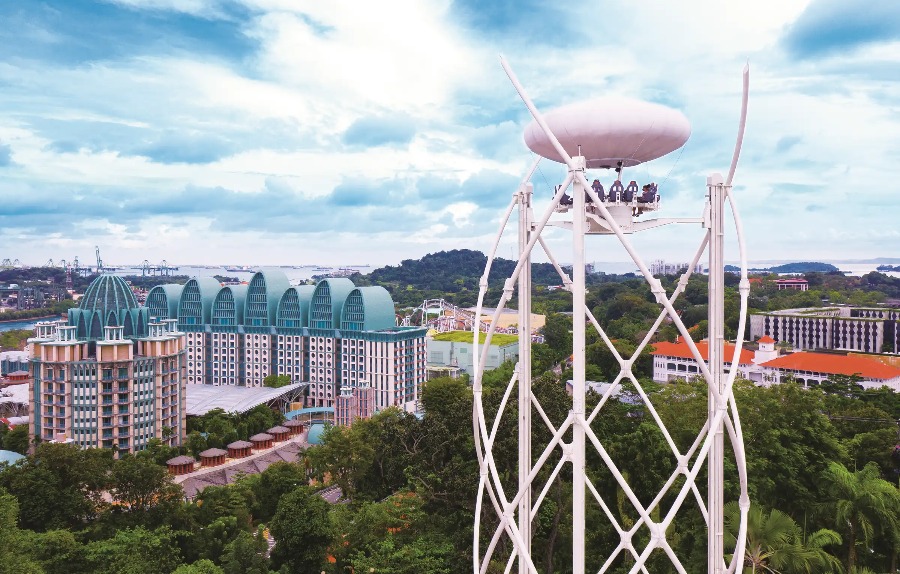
[[297, 275], [850, 269]]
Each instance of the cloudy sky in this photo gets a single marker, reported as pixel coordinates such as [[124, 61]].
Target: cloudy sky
[[296, 132]]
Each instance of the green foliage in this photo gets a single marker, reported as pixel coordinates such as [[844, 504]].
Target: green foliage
[[59, 552], [775, 543], [72, 478], [788, 441], [394, 536], [135, 551], [14, 558], [203, 566], [15, 339], [246, 554], [453, 275], [273, 483], [16, 439], [139, 484], [276, 381], [302, 530], [864, 506], [558, 335]]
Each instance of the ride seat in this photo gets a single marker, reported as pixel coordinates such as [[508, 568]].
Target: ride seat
[[631, 191], [616, 191]]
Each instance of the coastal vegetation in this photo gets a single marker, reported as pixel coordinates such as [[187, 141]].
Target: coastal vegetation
[[822, 479], [823, 463]]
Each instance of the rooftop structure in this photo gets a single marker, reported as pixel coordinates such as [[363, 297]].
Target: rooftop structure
[[203, 398], [456, 350]]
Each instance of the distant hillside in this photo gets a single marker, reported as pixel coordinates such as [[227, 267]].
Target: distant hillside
[[456, 270], [804, 267]]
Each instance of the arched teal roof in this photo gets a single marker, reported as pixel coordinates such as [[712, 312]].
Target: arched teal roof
[[228, 306], [108, 301], [195, 303], [162, 301], [368, 309], [263, 295], [290, 311], [108, 292], [293, 309], [327, 302]]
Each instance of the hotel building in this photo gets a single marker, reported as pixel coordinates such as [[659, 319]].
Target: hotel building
[[332, 335], [109, 376], [831, 328], [767, 366]]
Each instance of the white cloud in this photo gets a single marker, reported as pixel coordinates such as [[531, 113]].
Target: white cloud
[[271, 118]]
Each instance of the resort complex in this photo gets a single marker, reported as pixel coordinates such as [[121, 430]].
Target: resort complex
[[116, 374]]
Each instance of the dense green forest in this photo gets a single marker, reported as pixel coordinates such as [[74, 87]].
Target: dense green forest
[[453, 275], [822, 476], [823, 465]]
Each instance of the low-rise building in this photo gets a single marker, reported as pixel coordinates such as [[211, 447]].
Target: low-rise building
[[766, 366], [796, 284], [867, 330], [676, 361], [456, 349]]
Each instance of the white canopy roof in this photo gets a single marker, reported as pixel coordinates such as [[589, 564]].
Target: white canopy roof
[[203, 398]]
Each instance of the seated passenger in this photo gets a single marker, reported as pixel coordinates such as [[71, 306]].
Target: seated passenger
[[566, 200], [648, 194], [598, 189], [630, 191]]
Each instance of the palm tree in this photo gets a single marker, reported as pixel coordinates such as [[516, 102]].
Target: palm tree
[[862, 504], [776, 545]]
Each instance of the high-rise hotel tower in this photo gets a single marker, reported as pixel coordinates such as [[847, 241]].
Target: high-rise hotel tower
[[109, 376]]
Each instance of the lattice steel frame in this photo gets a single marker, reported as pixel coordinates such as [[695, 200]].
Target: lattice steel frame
[[516, 512]]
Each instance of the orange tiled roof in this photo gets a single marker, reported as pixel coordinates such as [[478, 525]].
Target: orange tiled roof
[[765, 339], [682, 351], [834, 365]]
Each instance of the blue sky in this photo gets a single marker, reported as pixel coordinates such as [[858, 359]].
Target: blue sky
[[295, 132]]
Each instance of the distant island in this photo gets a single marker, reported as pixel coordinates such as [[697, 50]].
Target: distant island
[[802, 267], [888, 268]]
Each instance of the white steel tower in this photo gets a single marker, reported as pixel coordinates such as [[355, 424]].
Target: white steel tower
[[609, 133]]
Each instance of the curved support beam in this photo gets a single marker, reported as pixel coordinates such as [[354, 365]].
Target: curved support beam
[[743, 124]]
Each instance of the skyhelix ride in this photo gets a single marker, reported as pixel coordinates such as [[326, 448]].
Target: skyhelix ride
[[613, 134]]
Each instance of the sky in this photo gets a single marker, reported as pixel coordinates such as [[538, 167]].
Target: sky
[[292, 132]]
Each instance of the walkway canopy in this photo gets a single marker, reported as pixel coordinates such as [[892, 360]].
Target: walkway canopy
[[203, 398]]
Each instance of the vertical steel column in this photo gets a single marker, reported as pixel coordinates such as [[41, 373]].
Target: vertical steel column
[[716, 467], [524, 369], [578, 362]]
